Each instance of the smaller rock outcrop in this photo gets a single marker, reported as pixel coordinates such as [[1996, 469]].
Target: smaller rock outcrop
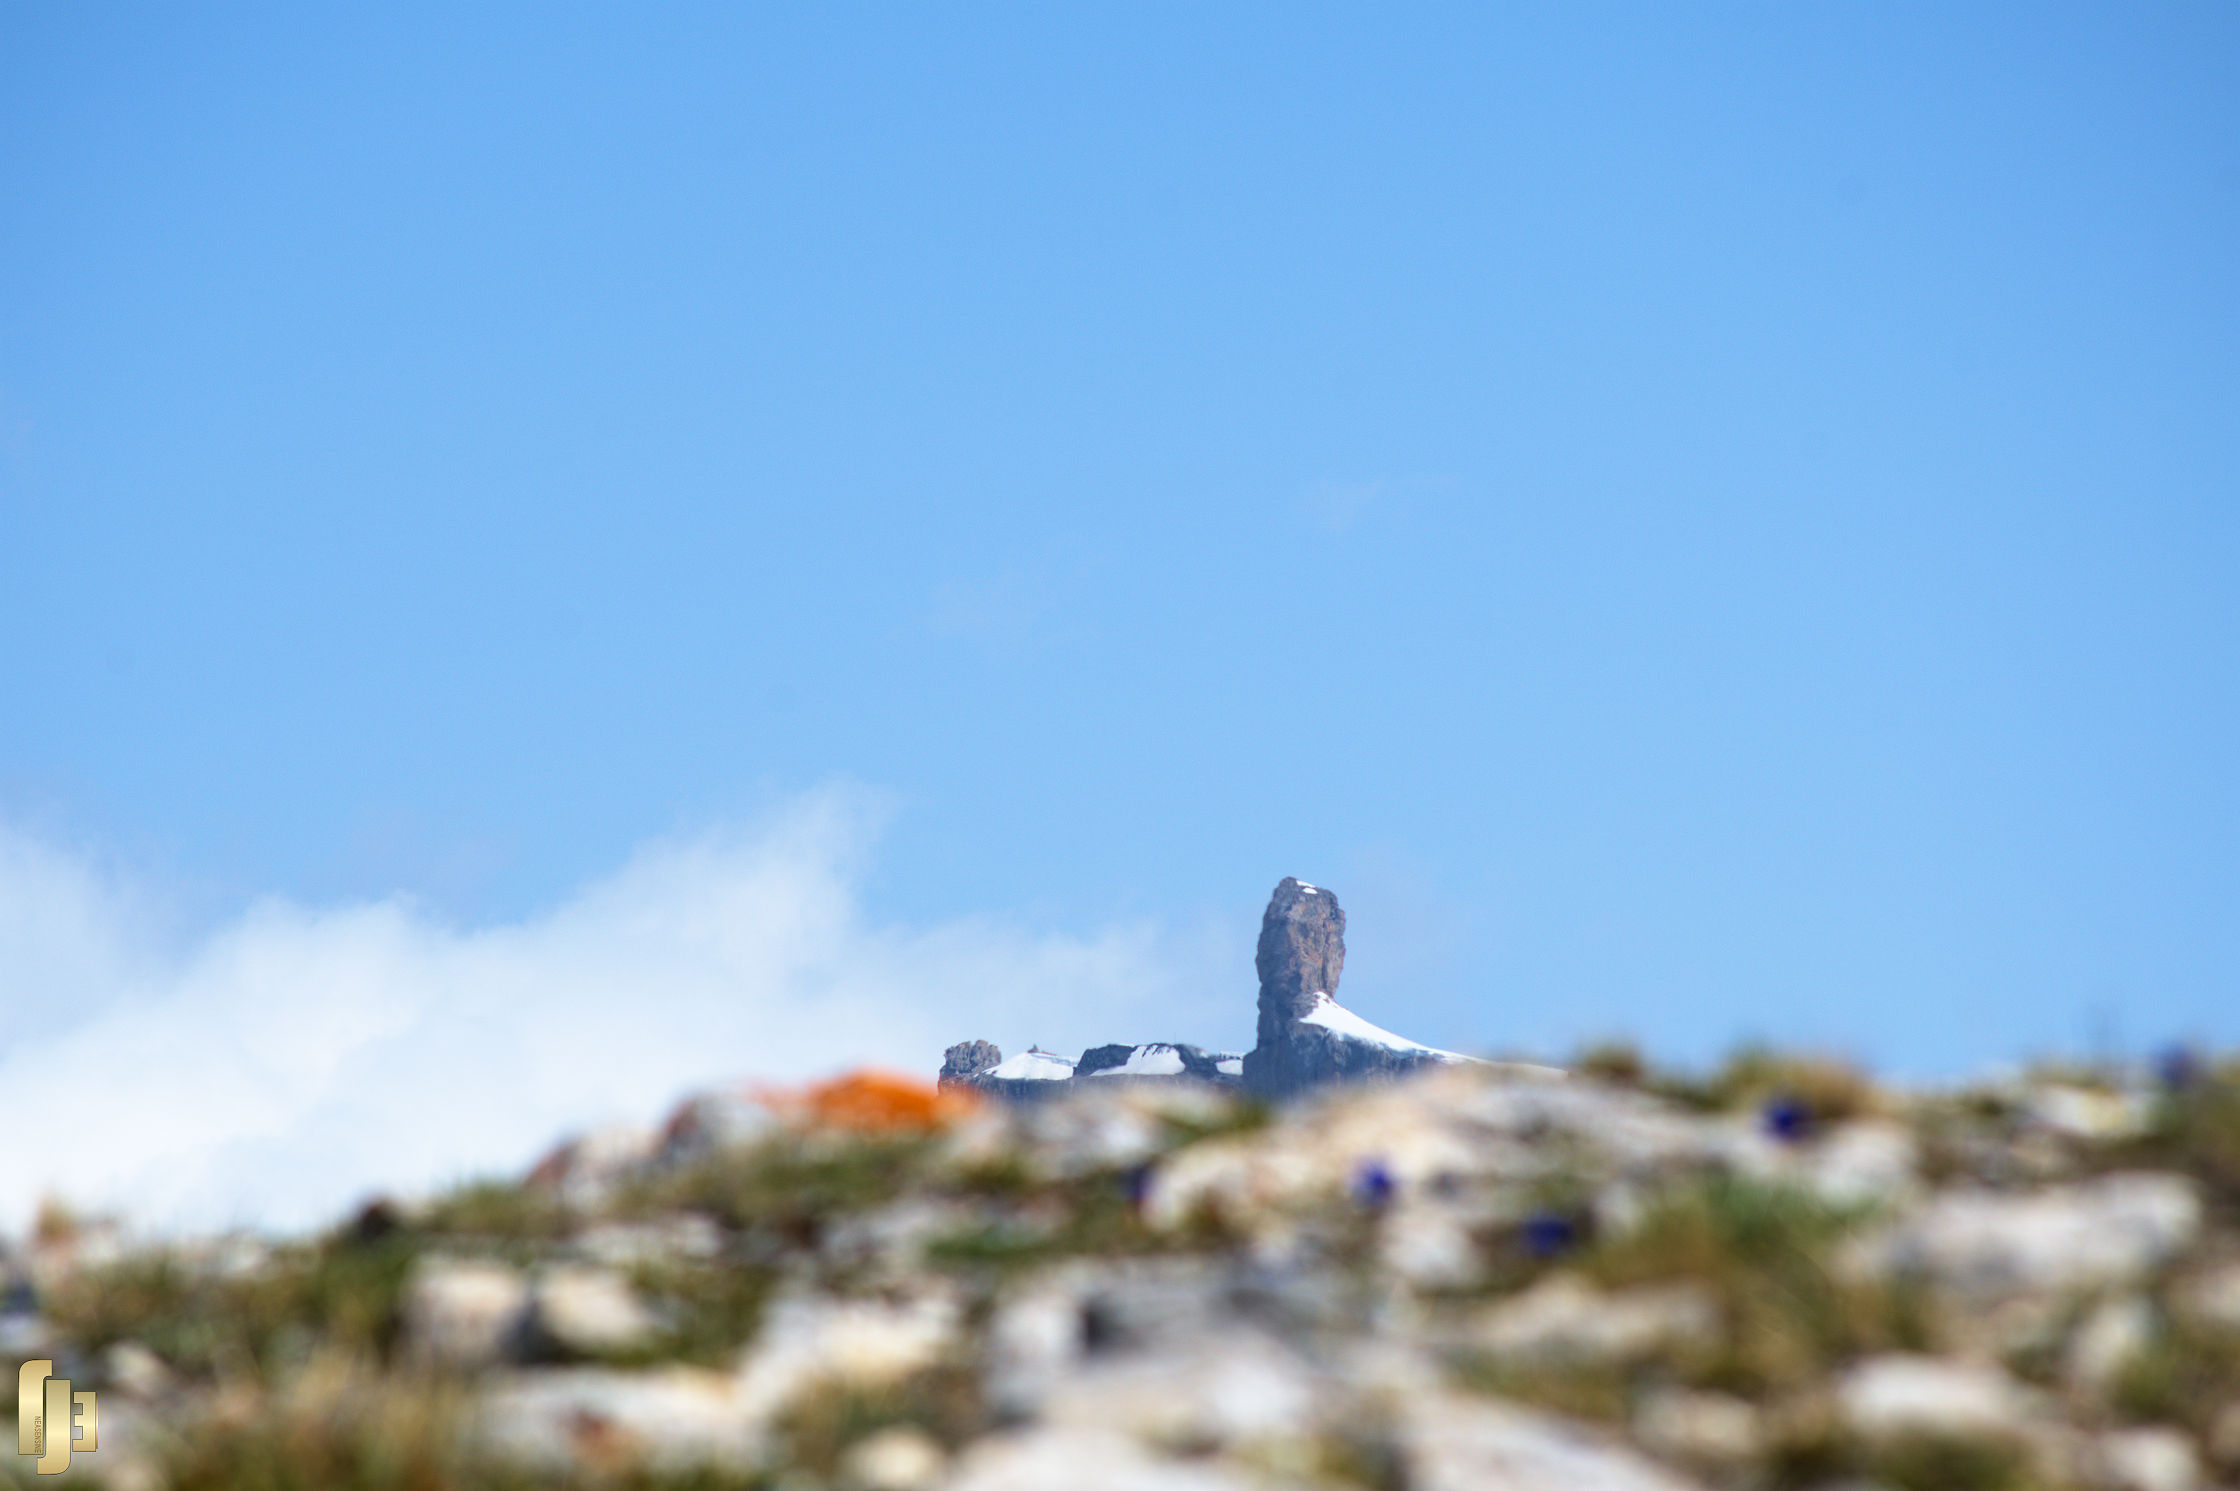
[[967, 1060], [1031, 1075]]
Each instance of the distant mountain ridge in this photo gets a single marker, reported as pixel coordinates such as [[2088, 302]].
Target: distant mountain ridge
[[1306, 1038]]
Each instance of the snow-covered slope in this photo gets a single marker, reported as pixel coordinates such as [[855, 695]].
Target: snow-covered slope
[[1336, 1018], [1033, 1066], [1155, 1060]]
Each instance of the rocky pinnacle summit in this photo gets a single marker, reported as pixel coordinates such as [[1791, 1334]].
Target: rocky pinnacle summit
[[1305, 1037]]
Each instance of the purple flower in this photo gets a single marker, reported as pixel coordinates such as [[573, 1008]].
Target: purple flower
[[1548, 1233], [2178, 1066], [1788, 1119]]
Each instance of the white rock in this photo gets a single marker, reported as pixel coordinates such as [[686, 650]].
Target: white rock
[[2090, 1113], [2157, 1458], [1864, 1162], [1458, 1122], [1033, 1336], [136, 1371], [894, 1459], [463, 1313], [813, 1340], [680, 1417], [1563, 1319], [1890, 1397], [686, 1236], [1101, 1127], [1430, 1245], [1713, 1429], [889, 1242], [1986, 1243], [1073, 1459], [585, 1170], [136, 1439], [2116, 1332], [1212, 1390], [599, 1419], [711, 1121], [1459, 1444], [593, 1312]]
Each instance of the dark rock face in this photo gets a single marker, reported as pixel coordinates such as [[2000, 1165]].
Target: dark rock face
[[1309, 1056], [1102, 1059], [1197, 1065], [967, 1060], [1302, 952]]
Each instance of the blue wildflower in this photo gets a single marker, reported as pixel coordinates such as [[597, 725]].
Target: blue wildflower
[[1788, 1118], [1547, 1233]]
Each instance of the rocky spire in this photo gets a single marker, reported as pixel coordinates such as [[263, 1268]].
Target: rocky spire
[[1306, 1038], [1302, 952]]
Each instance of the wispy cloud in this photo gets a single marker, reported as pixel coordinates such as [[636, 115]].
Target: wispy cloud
[[278, 1067]]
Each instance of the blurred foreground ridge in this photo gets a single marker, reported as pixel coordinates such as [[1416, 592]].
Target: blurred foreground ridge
[[1464, 1277]]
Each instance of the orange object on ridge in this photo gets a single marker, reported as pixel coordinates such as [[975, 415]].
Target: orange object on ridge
[[875, 1100]]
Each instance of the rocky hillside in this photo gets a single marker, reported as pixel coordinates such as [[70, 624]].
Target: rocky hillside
[[1472, 1279]]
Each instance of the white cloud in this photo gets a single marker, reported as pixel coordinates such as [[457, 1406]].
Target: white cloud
[[285, 1064]]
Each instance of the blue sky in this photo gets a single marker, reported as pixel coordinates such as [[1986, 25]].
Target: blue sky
[[1693, 521]]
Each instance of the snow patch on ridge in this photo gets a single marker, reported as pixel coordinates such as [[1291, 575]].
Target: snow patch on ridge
[[1154, 1060], [1336, 1018], [1033, 1066]]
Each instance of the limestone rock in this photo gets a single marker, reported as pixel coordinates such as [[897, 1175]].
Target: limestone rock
[[1206, 1391], [591, 1312], [2115, 1334], [1565, 1321], [571, 1419], [896, 1458], [1084, 1459], [2153, 1458], [464, 1314], [1988, 1244], [814, 1340], [1459, 1444], [1886, 1399], [1712, 1430]]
